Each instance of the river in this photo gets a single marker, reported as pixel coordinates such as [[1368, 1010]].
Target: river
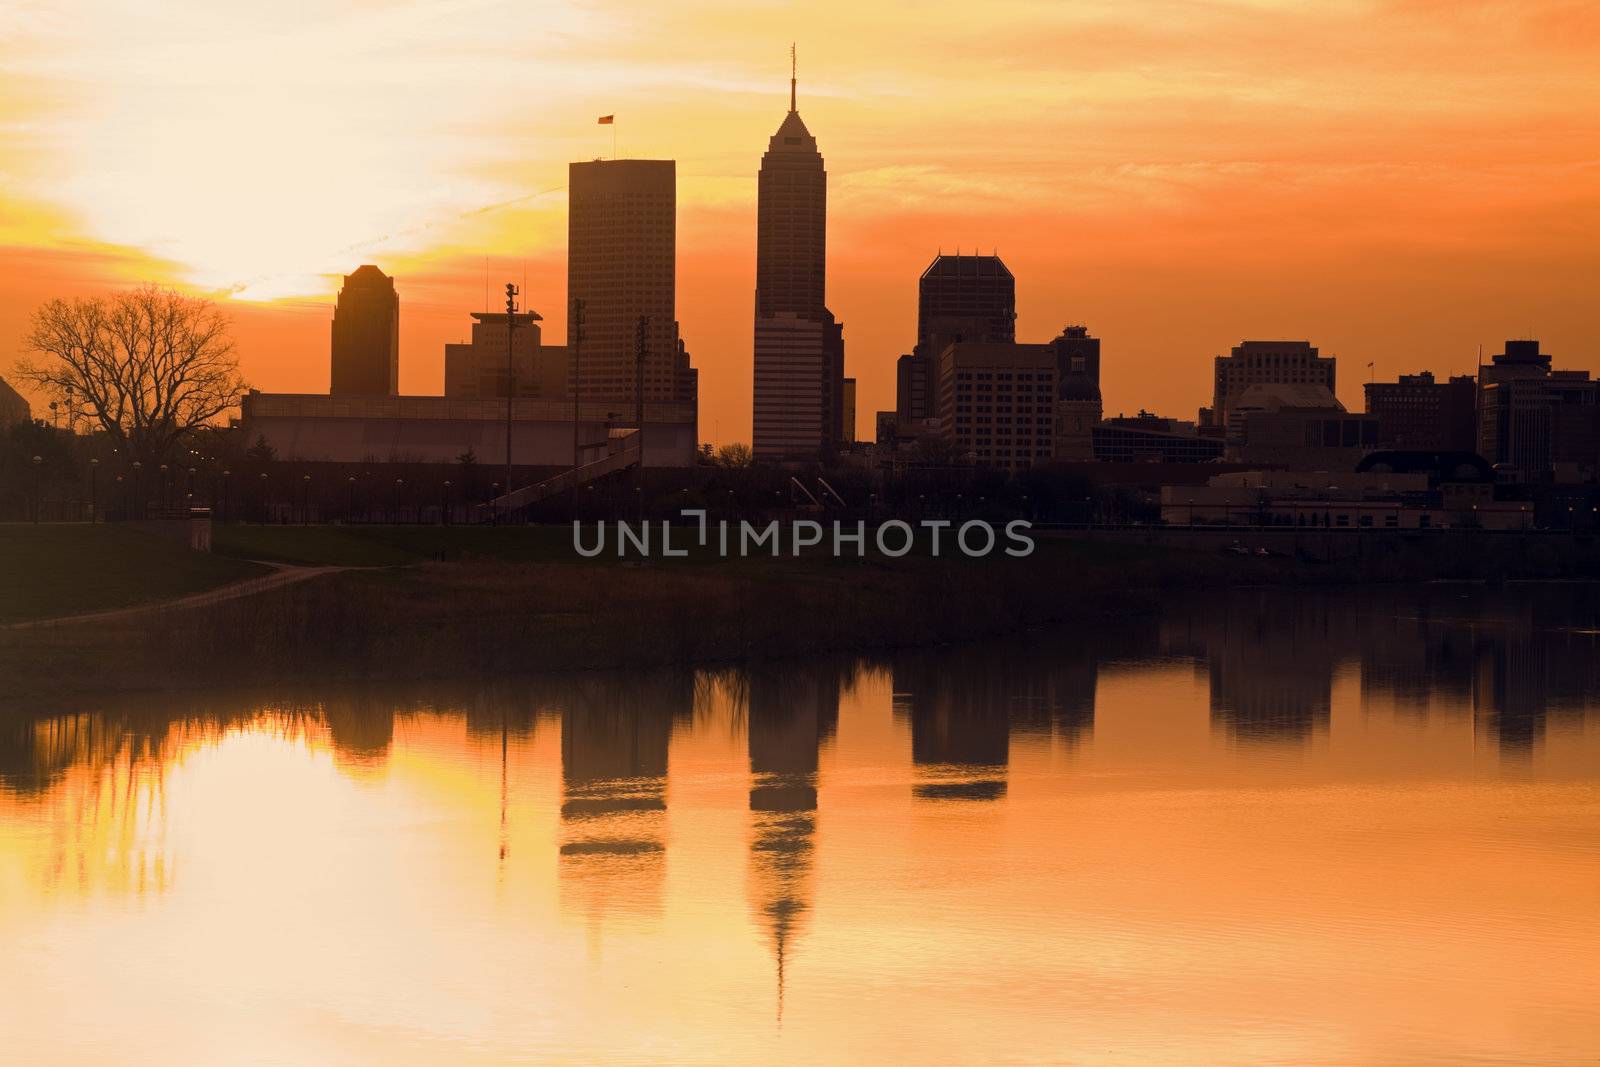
[[1291, 827]]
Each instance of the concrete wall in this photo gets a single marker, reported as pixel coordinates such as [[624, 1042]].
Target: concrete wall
[[355, 440]]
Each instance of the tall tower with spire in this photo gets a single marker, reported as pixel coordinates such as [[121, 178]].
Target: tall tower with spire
[[799, 348]]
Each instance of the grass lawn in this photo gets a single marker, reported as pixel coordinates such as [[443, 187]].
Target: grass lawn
[[388, 546], [49, 570]]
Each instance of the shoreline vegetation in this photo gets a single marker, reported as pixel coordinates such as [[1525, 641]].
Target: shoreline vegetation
[[440, 602]]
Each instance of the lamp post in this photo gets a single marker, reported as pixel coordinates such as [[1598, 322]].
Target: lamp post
[[351, 510], [227, 480], [444, 504], [399, 484], [163, 487], [94, 493], [38, 462], [511, 370], [264, 513], [138, 488], [305, 500]]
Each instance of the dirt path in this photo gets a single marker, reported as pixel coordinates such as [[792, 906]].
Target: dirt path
[[282, 575]]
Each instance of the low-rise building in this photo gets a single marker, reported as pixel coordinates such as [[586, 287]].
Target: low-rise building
[[438, 429], [1300, 427], [1344, 500], [1147, 438]]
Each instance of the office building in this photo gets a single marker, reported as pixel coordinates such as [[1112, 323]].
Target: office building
[[621, 262], [1077, 393], [1417, 412], [478, 370], [1534, 423], [366, 336], [798, 404], [847, 420], [1000, 400], [959, 298], [1265, 363]]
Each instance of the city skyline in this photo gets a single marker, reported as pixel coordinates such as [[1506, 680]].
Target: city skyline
[[1235, 190]]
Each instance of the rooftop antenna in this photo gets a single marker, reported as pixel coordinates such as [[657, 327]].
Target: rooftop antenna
[[792, 69]]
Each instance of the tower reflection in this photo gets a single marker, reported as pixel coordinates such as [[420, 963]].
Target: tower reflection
[[790, 713]]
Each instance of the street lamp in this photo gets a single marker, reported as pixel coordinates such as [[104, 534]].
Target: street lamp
[[399, 484], [38, 462], [227, 480], [138, 487], [305, 500], [352, 508], [94, 483], [444, 504], [264, 512], [163, 487]]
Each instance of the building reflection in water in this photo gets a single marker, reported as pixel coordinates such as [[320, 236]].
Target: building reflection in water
[[1269, 662], [790, 713], [965, 705], [615, 733]]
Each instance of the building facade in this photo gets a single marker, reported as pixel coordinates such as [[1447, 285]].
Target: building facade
[[999, 403], [1147, 438], [622, 263], [959, 298], [1077, 393], [478, 370], [1535, 423], [1265, 363], [1418, 412], [366, 336], [799, 393], [13, 407], [439, 429]]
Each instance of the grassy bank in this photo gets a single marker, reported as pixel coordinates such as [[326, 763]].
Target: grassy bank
[[52, 570], [515, 600]]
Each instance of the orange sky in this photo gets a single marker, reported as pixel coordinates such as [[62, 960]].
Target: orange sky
[[1396, 180]]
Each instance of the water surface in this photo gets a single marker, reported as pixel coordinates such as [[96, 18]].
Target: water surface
[[1267, 828]]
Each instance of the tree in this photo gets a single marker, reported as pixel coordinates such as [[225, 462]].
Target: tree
[[262, 451], [734, 456], [150, 365]]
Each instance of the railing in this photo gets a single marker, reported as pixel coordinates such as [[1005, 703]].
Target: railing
[[627, 455]]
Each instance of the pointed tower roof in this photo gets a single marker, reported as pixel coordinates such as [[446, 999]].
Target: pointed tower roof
[[792, 136]]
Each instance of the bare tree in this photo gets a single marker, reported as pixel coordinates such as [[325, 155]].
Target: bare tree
[[150, 365]]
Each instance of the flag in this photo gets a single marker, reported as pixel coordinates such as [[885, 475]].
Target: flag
[[607, 120]]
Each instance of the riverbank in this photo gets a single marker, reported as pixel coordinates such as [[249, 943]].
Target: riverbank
[[437, 603]]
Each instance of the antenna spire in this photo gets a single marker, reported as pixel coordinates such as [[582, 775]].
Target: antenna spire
[[792, 67]]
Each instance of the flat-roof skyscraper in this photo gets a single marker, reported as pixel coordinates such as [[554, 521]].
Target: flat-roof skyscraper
[[366, 336], [973, 295], [960, 299], [622, 263], [799, 348]]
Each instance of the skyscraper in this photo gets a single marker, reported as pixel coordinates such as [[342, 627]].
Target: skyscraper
[[799, 348], [959, 299], [621, 262], [366, 336]]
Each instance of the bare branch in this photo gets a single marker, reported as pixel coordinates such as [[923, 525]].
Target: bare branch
[[152, 363]]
